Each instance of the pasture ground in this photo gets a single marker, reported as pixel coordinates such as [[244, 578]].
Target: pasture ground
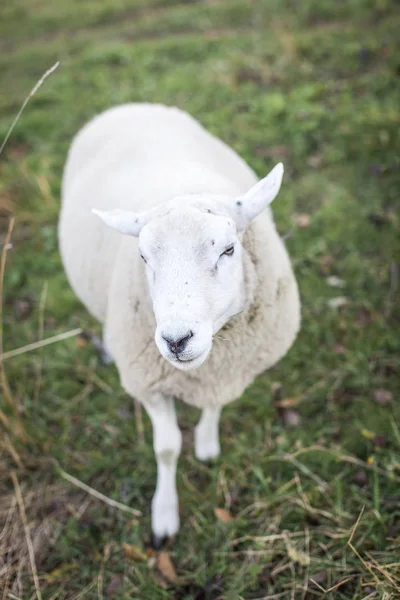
[[311, 452]]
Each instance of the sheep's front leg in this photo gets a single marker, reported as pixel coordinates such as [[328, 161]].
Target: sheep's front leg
[[167, 441], [206, 435]]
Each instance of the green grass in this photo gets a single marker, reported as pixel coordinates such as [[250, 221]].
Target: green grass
[[315, 84]]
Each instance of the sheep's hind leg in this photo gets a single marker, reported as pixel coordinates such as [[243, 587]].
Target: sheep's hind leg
[[167, 441], [105, 355], [206, 435]]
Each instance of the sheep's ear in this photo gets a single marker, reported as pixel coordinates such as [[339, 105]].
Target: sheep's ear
[[257, 199], [124, 221]]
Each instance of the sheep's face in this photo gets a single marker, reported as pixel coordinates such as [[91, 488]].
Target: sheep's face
[[194, 264]]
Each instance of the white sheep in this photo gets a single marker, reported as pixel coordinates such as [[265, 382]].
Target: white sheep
[[199, 297]]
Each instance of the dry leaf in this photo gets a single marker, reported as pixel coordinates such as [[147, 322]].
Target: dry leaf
[[302, 220], [166, 567], [223, 515], [133, 552], [382, 397], [288, 402]]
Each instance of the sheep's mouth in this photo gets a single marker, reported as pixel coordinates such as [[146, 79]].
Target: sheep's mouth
[[185, 364], [184, 360]]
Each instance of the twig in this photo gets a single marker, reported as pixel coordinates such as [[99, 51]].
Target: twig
[[27, 534], [139, 421], [273, 596], [383, 570], [6, 588], [25, 102], [35, 345], [292, 570], [225, 489], [96, 494], [323, 485], [307, 573], [304, 503], [9, 446], [3, 378], [85, 590], [267, 538], [107, 389], [345, 458], [4, 420], [9, 517], [337, 585], [349, 543], [100, 578], [38, 381]]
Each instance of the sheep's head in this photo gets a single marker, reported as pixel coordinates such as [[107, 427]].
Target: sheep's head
[[194, 264]]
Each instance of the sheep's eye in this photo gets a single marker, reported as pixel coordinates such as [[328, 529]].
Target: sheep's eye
[[229, 251], [143, 258]]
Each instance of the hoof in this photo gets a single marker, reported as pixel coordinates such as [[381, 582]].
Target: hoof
[[206, 450], [157, 541], [164, 520]]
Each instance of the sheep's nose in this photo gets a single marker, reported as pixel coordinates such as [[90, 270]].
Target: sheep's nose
[[177, 345]]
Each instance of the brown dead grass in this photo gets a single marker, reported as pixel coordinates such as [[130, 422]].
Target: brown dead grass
[[47, 507]]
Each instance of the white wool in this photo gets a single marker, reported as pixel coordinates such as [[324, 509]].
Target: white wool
[[188, 197]]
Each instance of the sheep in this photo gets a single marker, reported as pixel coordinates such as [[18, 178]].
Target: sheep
[[198, 297]]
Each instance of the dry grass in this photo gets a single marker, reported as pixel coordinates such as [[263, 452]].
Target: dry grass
[[37, 515]]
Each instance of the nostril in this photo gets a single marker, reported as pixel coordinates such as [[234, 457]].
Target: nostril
[[177, 345], [182, 343]]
